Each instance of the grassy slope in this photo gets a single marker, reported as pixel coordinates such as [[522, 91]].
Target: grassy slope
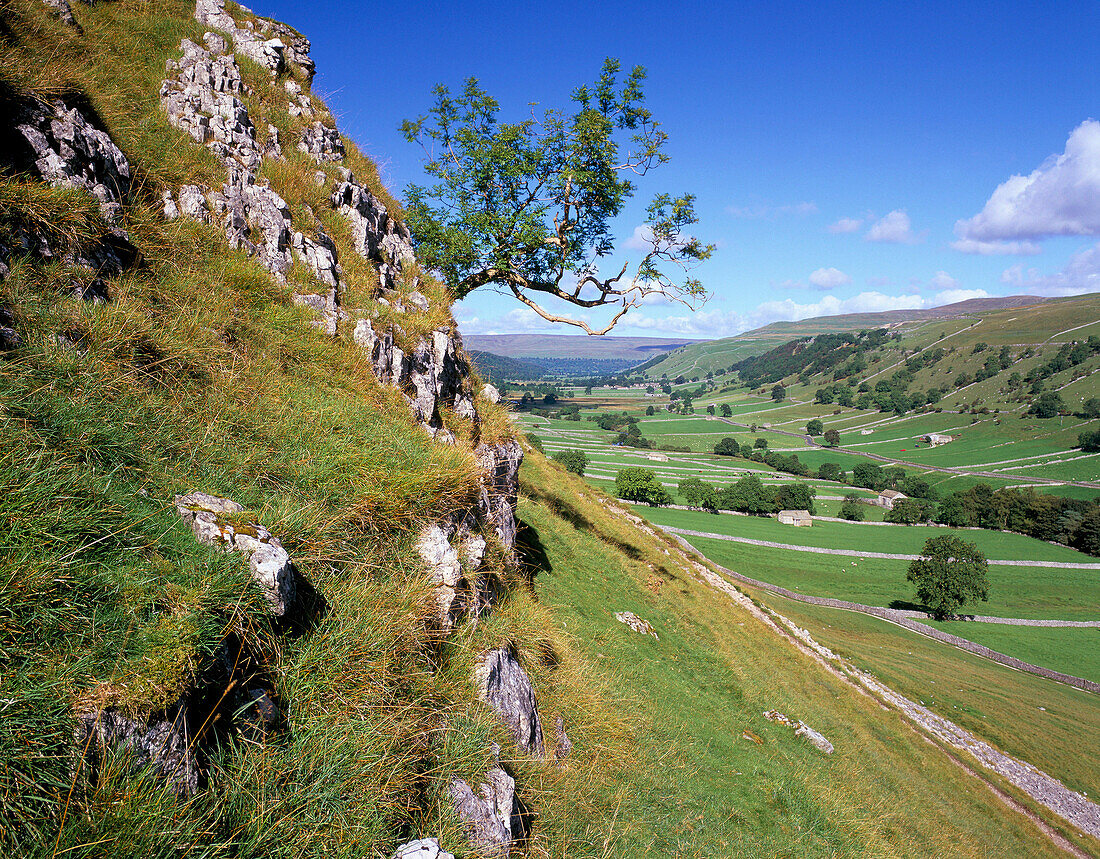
[[694, 784], [105, 595]]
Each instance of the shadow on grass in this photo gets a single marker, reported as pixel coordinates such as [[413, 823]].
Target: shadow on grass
[[532, 554], [564, 510]]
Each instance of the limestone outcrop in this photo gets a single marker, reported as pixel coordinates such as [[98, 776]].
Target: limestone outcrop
[[211, 521], [62, 143], [504, 685]]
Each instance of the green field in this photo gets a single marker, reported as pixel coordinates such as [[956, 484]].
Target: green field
[[1030, 592], [1071, 650], [854, 536], [1047, 724]]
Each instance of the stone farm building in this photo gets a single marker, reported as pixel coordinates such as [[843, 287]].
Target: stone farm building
[[795, 517], [887, 497], [657, 457], [936, 439]]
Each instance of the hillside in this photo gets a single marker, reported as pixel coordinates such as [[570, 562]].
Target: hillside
[[720, 354], [498, 368], [279, 577]]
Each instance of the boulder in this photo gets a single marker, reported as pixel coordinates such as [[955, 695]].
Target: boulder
[[452, 550], [493, 817], [422, 848], [211, 522], [801, 729], [564, 745], [504, 685]]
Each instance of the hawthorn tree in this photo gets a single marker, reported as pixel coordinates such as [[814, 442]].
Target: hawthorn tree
[[948, 574], [527, 207]]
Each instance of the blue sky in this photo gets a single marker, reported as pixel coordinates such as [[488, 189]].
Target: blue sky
[[844, 156]]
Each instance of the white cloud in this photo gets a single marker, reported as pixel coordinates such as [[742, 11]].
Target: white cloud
[[951, 296], [1081, 274], [846, 225], [768, 212], [640, 240], [726, 324], [974, 246], [1060, 198], [894, 228], [828, 278], [942, 280]]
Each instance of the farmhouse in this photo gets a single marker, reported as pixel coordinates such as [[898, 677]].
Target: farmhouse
[[887, 497], [657, 457], [795, 517], [936, 439]]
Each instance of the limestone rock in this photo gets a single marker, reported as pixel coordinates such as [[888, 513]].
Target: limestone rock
[[69, 151], [272, 149], [801, 729], [418, 300], [564, 745], [269, 562], [493, 819], [171, 212], [191, 202], [93, 290], [321, 143], [636, 623], [375, 234], [452, 550], [163, 742], [422, 848], [65, 12], [200, 97], [491, 393], [504, 685], [320, 256], [269, 53], [500, 487], [9, 337]]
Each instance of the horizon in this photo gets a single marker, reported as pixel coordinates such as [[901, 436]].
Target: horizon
[[846, 158]]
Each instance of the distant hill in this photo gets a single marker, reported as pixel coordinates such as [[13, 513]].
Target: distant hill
[[992, 361], [498, 368], [632, 349], [713, 355]]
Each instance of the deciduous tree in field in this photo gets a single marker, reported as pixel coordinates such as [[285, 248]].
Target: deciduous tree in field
[[832, 437], [726, 410], [815, 427], [635, 483], [695, 493], [779, 393], [574, 460], [852, 510], [528, 206], [949, 574]]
